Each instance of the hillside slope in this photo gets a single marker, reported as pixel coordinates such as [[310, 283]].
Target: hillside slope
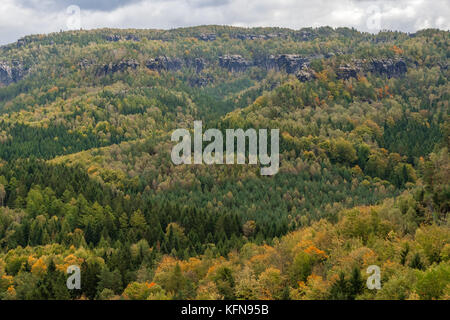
[[86, 176]]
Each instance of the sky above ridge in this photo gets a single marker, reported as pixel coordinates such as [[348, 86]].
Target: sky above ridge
[[23, 17]]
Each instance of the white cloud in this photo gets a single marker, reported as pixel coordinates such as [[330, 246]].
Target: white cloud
[[21, 17]]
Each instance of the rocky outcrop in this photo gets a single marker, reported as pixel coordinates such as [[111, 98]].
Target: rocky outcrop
[[305, 74], [304, 35], [173, 64], [247, 36], [121, 66], [164, 63], [113, 37], [234, 62], [207, 37], [443, 66], [332, 54], [159, 64], [389, 67], [274, 36], [347, 71], [21, 43], [291, 63], [11, 72], [118, 37], [132, 37], [85, 63], [241, 36], [198, 64]]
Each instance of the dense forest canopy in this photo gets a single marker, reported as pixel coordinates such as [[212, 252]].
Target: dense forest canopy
[[86, 177]]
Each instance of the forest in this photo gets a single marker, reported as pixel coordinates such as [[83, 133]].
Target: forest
[[86, 176]]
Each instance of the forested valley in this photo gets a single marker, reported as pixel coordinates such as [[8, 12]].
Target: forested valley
[[86, 176]]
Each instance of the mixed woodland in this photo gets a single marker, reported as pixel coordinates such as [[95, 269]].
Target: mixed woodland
[[86, 176]]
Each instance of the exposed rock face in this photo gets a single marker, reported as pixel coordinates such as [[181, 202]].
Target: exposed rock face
[[249, 36], [347, 71], [158, 64], [274, 35], [198, 64], [11, 72], [389, 67], [234, 62], [207, 36], [291, 63], [243, 36], [443, 66], [305, 35], [392, 68], [113, 37], [123, 65], [85, 63], [164, 63], [333, 54], [132, 37], [118, 37], [305, 74], [21, 43]]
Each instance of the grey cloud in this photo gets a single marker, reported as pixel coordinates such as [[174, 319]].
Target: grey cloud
[[207, 3], [55, 5], [21, 17]]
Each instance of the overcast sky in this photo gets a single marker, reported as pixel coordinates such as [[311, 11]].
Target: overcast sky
[[23, 17]]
